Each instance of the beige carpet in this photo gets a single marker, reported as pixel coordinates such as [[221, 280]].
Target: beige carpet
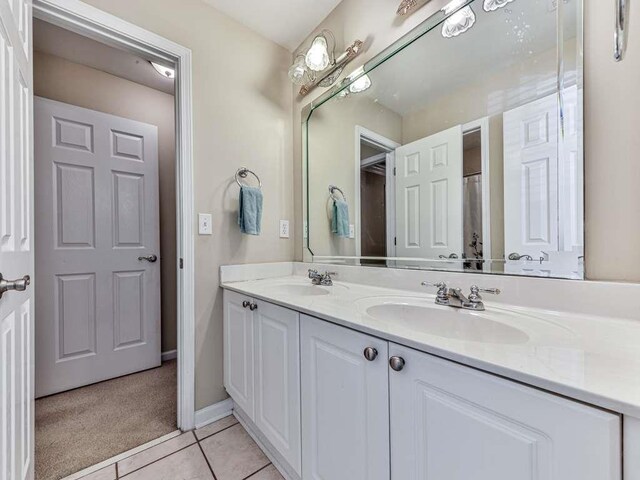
[[82, 427]]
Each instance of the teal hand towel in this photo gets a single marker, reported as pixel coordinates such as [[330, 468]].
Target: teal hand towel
[[340, 219], [250, 210]]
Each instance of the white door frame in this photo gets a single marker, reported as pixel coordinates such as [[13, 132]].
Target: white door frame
[[483, 125], [390, 146], [91, 22]]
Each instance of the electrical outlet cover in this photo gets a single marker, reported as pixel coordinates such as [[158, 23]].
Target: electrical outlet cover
[[284, 228]]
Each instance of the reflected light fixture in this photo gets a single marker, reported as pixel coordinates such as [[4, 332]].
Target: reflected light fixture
[[166, 72], [491, 5], [460, 21], [298, 73], [361, 84]]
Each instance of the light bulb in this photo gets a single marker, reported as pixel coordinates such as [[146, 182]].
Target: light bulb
[[361, 84], [458, 23], [298, 71], [491, 5], [317, 58], [164, 71]]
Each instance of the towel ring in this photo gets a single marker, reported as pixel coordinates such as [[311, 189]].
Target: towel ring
[[243, 172], [332, 189]]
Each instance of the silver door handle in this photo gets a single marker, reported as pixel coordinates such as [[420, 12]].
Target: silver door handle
[[17, 285], [149, 258]]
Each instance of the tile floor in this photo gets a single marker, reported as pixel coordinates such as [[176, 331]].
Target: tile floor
[[220, 451]]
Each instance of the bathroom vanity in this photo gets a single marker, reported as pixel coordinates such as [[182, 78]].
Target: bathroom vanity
[[361, 381]]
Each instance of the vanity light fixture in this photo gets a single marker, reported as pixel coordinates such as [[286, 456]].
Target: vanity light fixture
[[318, 56], [299, 74], [167, 72], [460, 21], [492, 5]]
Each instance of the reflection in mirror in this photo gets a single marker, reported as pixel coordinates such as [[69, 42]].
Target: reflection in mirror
[[460, 151]]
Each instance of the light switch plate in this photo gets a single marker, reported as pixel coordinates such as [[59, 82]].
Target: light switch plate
[[352, 231], [204, 224], [284, 228]]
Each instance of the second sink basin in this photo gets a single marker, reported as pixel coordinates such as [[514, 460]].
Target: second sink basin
[[446, 322]]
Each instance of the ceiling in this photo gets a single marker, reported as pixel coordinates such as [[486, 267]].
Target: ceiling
[[57, 41], [286, 22]]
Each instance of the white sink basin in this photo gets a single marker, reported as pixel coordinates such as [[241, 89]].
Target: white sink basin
[[446, 322], [299, 290]]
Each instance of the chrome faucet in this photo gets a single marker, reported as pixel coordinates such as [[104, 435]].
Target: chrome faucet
[[453, 297], [323, 279]]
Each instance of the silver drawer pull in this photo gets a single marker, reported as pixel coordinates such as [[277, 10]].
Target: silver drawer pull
[[19, 285], [396, 363], [370, 353], [253, 306], [246, 303]]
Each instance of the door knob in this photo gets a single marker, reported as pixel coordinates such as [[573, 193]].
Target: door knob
[[370, 353], [149, 258], [17, 285], [396, 363]]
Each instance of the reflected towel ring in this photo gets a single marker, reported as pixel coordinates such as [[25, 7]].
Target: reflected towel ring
[[243, 172], [332, 189]]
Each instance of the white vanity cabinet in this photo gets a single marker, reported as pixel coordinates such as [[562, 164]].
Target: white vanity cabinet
[[345, 408], [262, 370], [337, 404], [451, 422]]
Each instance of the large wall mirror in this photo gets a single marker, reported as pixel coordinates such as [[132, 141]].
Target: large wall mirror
[[458, 148]]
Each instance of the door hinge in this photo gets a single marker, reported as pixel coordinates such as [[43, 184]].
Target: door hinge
[[395, 240], [394, 171], [181, 264]]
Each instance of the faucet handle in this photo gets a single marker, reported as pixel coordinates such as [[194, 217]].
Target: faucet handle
[[313, 273], [476, 289], [442, 296]]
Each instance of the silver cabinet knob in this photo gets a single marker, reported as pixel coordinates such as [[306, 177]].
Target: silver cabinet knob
[[246, 303], [370, 353], [19, 285], [253, 306], [149, 258], [396, 363]]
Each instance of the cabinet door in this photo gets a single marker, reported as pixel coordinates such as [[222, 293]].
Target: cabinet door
[[238, 350], [277, 379], [450, 422], [345, 404]]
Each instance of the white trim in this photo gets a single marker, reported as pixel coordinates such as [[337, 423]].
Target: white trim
[[390, 146], [214, 412], [89, 21], [483, 125], [169, 355], [122, 456]]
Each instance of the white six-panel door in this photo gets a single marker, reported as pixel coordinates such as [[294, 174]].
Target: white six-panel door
[[97, 212], [16, 241], [451, 422], [429, 196], [345, 407]]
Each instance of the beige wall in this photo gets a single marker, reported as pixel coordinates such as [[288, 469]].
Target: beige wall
[[242, 116], [68, 82], [612, 173]]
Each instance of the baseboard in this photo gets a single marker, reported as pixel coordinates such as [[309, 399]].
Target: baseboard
[[214, 412], [169, 355]]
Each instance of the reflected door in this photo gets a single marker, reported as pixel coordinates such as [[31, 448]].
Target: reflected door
[[429, 196], [543, 177], [98, 303]]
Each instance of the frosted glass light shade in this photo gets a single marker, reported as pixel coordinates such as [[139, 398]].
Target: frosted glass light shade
[[361, 84], [491, 5], [317, 58], [164, 71], [298, 71], [453, 5], [458, 23]]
